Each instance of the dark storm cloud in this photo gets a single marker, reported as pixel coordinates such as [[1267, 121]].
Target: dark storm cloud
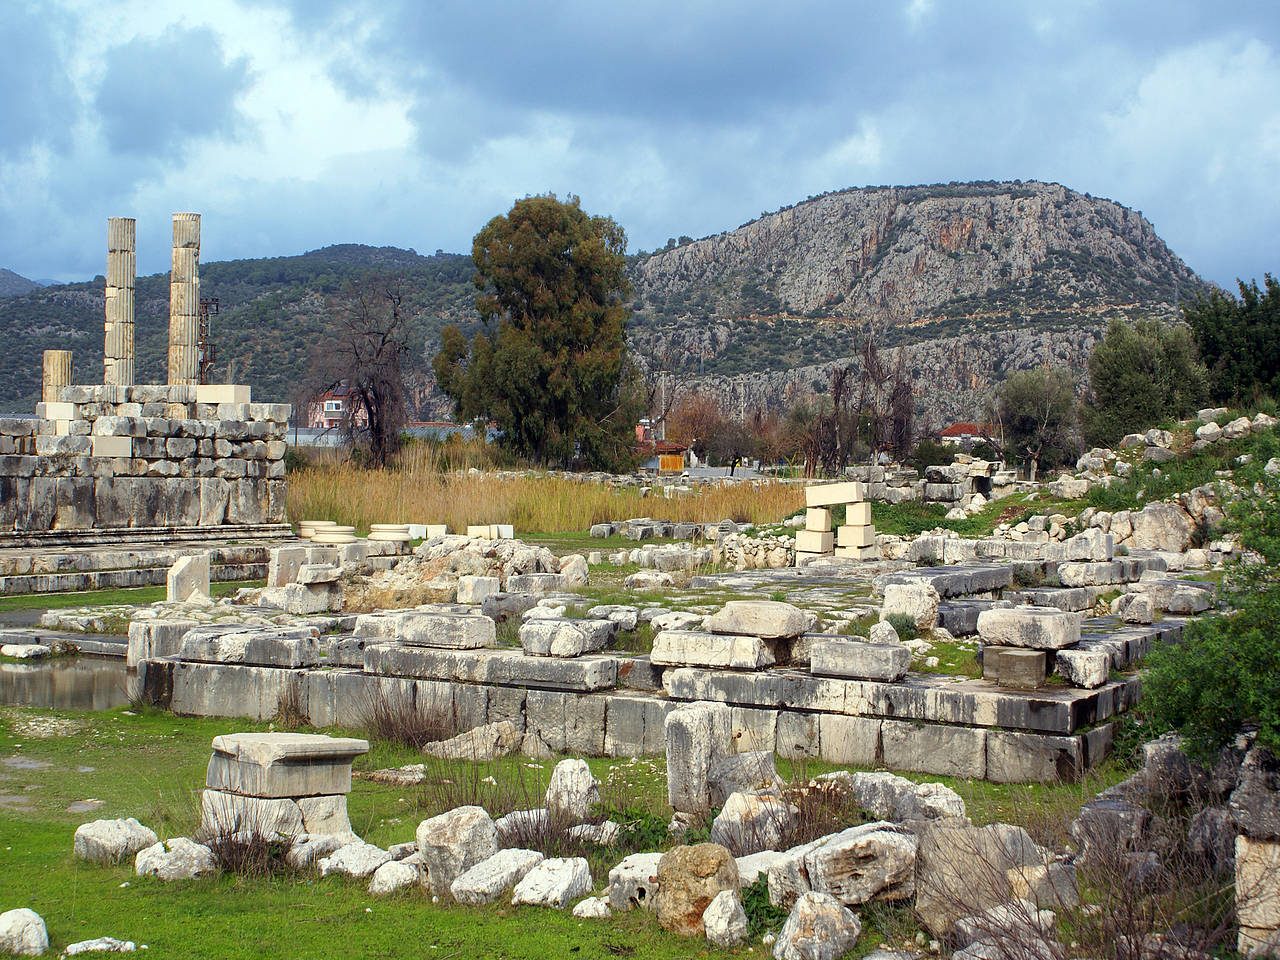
[[156, 93]]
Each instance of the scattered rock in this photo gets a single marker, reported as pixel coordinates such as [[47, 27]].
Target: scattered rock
[[818, 928], [22, 933], [454, 842], [573, 790], [100, 945], [489, 742], [357, 860], [593, 908], [553, 883], [111, 841], [725, 921], [392, 876], [633, 882], [767, 619], [177, 859], [688, 880]]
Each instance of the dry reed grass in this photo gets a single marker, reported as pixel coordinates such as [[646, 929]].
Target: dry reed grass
[[426, 486]]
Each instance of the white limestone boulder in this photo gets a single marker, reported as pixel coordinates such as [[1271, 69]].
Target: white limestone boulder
[[454, 842], [489, 878], [99, 945], [593, 908], [393, 876], [111, 841], [767, 619], [176, 859], [819, 927], [553, 883], [919, 601], [22, 933], [357, 860], [633, 882], [573, 790], [725, 920], [750, 823]]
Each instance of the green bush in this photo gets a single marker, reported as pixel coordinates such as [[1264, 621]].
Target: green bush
[[904, 625], [762, 915], [1225, 674]]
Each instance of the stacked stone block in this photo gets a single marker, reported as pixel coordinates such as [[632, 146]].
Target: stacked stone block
[[144, 456], [184, 301], [294, 784], [855, 539]]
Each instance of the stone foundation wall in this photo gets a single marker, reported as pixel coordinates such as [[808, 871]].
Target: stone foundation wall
[[143, 456]]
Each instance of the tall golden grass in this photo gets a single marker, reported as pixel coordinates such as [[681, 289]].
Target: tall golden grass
[[419, 490]]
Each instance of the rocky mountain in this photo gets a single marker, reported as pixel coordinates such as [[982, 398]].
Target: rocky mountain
[[12, 284], [970, 279]]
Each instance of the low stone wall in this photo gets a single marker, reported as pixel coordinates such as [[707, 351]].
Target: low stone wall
[[143, 456]]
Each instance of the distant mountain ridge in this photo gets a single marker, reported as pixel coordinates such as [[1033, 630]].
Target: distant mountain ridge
[[971, 280], [13, 284]]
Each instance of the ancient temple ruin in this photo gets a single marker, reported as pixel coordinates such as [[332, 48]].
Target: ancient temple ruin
[[169, 460]]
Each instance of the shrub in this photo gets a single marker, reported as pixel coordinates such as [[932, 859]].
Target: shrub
[[1226, 671], [395, 715], [904, 625], [762, 915]]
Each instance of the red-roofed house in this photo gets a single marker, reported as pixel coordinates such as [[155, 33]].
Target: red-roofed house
[[967, 434]]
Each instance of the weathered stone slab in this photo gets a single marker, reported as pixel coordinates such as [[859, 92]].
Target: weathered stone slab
[[934, 748], [693, 648], [955, 581], [538, 583], [188, 575], [833, 494], [253, 646], [509, 667], [1016, 757], [546, 637], [697, 735], [1083, 668], [282, 764], [768, 619], [852, 740], [1040, 628], [151, 639], [446, 631], [861, 661]]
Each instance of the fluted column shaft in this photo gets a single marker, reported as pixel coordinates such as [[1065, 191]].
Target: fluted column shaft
[[117, 352], [184, 301], [56, 375]]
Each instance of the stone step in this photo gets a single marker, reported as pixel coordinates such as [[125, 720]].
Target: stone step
[[506, 667], [119, 579]]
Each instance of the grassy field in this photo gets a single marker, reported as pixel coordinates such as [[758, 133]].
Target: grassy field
[[151, 765], [102, 598]]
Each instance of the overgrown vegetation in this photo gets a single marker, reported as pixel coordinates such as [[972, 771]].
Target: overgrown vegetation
[[1225, 674]]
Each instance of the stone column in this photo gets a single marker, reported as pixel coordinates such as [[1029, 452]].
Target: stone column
[[57, 374], [184, 301], [117, 353]]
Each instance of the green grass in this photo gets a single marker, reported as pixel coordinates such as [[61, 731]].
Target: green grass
[[103, 598], [954, 660], [151, 765]]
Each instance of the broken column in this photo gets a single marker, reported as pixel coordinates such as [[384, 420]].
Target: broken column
[[184, 301], [117, 350], [57, 374]]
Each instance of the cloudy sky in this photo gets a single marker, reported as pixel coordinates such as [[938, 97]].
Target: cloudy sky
[[292, 125]]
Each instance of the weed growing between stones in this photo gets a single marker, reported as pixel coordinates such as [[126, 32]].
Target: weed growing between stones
[[762, 916], [251, 852], [394, 714], [905, 626], [291, 713]]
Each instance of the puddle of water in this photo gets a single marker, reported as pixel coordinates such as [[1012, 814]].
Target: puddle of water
[[25, 763], [79, 683]]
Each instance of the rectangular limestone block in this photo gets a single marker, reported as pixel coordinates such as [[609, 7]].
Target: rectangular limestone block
[[817, 519], [857, 514], [222, 393], [863, 535], [112, 447], [287, 647], [692, 648], [810, 541], [433, 530], [858, 553], [831, 494], [934, 748], [1257, 883], [306, 759], [1015, 667], [57, 411], [1017, 757], [506, 667], [1040, 628], [859, 660], [188, 575], [853, 740], [447, 631]]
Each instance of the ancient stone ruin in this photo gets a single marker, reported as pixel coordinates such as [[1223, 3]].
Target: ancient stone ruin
[[154, 459]]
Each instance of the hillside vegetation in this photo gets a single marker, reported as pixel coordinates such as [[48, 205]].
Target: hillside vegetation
[[971, 279]]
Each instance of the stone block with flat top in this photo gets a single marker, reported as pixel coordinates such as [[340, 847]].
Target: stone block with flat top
[[831, 494], [859, 660], [817, 519], [1040, 628], [464, 632], [283, 764], [811, 541], [1015, 667]]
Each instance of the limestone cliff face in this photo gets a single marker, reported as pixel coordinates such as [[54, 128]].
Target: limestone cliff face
[[970, 280], [897, 254]]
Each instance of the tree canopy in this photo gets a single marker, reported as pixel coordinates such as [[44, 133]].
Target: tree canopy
[[1239, 340], [1140, 374], [551, 367], [1037, 413]]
